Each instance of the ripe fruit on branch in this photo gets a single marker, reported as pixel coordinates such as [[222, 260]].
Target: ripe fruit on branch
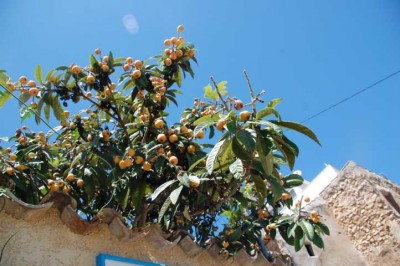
[[238, 105], [159, 123], [200, 134], [136, 74], [80, 182], [23, 80], [167, 42], [97, 51], [194, 181], [173, 138], [244, 116], [139, 159], [191, 149], [307, 199], [131, 152], [180, 28], [167, 61], [221, 124], [173, 160], [70, 177], [138, 64], [33, 91], [129, 60], [146, 166], [76, 69], [161, 138], [271, 227], [31, 83], [90, 79]]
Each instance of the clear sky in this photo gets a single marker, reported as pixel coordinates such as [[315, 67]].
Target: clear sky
[[312, 53]]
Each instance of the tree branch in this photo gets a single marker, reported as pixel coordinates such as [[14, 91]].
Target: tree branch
[[219, 93]]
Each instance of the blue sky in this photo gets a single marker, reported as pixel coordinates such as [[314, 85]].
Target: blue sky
[[311, 53]]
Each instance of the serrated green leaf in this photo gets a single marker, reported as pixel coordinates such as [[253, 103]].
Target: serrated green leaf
[[317, 240], [264, 149], [236, 168], [235, 236], [209, 93], [222, 88], [285, 220], [299, 128], [175, 194], [207, 118], [307, 229], [202, 126], [239, 151], [266, 111], [57, 109], [212, 156], [299, 239], [246, 138], [164, 208], [293, 180], [39, 110], [261, 188], [23, 98], [4, 97], [273, 103], [47, 112], [39, 74], [277, 189], [161, 189], [323, 227], [184, 179]]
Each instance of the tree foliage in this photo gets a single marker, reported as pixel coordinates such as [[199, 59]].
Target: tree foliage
[[120, 152]]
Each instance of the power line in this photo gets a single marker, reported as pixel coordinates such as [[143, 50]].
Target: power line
[[351, 96]]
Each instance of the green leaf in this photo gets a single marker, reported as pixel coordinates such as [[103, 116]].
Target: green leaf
[[299, 239], [39, 110], [175, 194], [236, 168], [212, 156], [266, 111], [317, 240], [23, 98], [222, 88], [206, 118], [138, 194], [184, 179], [299, 128], [161, 189], [239, 151], [273, 103], [264, 149], [307, 228], [277, 189], [235, 236], [209, 93], [202, 126], [286, 150], [293, 180], [164, 208], [323, 228], [178, 77], [39, 74], [285, 220], [110, 62], [261, 188], [57, 109], [47, 112], [246, 138], [4, 97]]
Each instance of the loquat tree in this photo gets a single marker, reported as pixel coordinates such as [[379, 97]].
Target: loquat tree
[[119, 152]]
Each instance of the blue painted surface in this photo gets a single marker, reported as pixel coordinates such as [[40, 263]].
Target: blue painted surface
[[101, 260]]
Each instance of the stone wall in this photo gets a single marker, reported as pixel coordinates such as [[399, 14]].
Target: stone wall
[[53, 234], [355, 198]]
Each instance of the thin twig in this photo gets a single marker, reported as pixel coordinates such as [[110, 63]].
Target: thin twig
[[253, 98], [219, 93]]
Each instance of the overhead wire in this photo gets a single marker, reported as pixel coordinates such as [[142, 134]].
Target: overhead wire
[[352, 96]]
